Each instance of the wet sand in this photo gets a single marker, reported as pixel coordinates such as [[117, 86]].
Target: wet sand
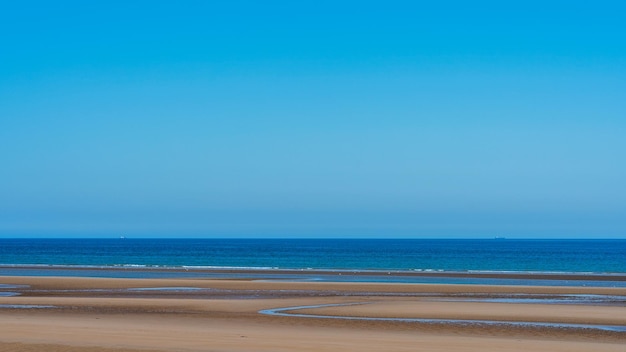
[[102, 315]]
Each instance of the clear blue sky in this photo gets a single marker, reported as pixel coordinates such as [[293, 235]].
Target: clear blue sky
[[313, 118]]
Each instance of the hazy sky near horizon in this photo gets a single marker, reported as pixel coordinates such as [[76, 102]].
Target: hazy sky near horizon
[[313, 118]]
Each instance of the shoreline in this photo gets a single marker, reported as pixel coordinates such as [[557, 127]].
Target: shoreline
[[489, 274], [546, 279]]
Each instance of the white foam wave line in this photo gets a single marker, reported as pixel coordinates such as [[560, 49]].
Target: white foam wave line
[[329, 270]]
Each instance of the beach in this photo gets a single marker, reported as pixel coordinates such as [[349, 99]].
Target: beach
[[113, 314]]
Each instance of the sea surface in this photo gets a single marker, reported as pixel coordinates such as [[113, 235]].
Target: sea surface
[[602, 262], [55, 256]]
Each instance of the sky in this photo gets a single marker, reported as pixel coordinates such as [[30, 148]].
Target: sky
[[393, 119]]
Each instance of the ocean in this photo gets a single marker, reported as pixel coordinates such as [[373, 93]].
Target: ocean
[[492, 255]]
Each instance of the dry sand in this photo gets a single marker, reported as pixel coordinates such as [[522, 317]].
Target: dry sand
[[101, 315]]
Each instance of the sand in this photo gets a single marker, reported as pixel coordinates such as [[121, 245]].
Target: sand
[[102, 315]]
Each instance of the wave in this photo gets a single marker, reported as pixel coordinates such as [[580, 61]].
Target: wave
[[416, 271]]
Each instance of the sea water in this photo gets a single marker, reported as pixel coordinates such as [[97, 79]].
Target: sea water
[[571, 256]]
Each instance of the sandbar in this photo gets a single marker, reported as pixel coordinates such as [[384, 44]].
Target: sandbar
[[105, 315]]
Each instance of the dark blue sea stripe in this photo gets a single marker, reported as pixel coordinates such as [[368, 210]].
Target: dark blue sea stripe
[[420, 255]]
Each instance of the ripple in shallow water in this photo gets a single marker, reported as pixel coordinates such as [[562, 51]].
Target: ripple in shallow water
[[283, 312], [24, 306]]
